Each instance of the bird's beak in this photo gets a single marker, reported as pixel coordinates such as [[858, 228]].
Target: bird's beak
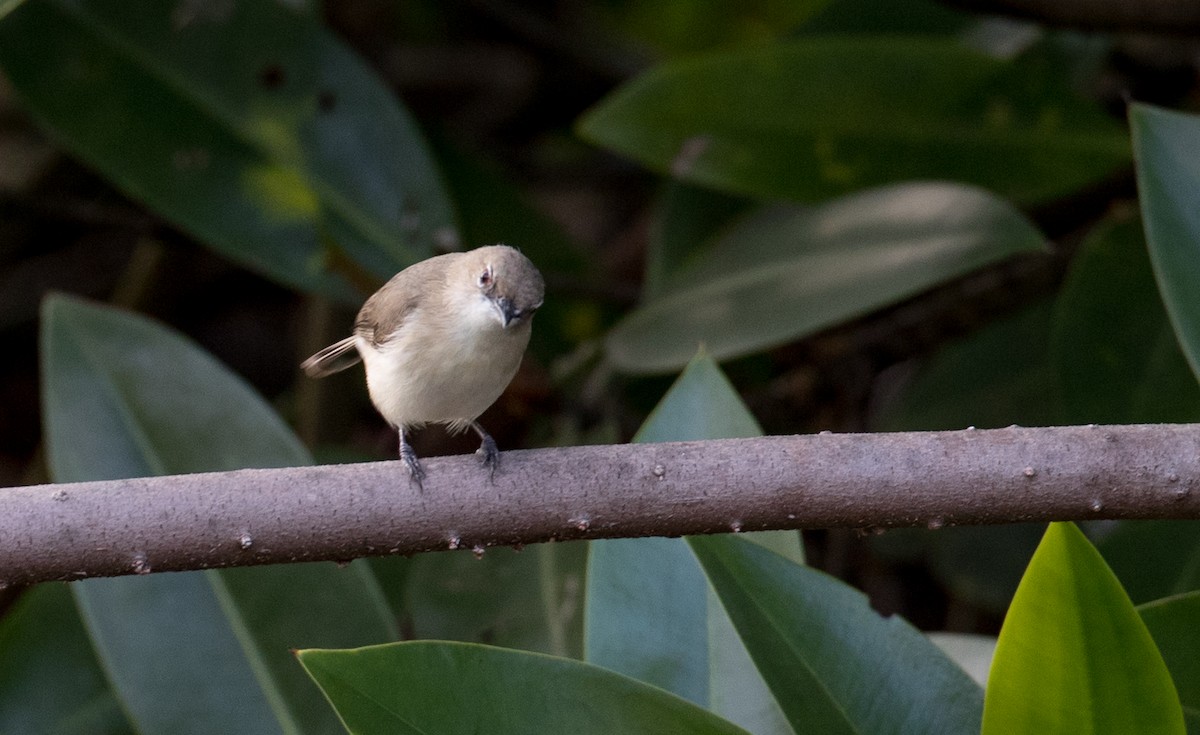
[[508, 312]]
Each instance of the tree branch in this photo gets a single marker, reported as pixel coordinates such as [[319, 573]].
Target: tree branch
[[342, 512], [1155, 16]]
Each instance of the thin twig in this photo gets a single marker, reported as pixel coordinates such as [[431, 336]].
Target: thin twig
[[339, 512]]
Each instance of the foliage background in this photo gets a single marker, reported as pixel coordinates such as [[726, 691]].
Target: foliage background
[[533, 140]]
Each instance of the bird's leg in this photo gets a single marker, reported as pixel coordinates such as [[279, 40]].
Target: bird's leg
[[487, 450], [410, 460]]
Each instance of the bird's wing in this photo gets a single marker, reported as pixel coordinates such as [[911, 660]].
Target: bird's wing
[[390, 307], [337, 356]]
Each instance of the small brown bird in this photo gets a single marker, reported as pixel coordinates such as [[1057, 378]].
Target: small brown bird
[[440, 342]]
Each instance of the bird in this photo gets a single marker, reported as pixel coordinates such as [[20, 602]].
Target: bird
[[440, 341]]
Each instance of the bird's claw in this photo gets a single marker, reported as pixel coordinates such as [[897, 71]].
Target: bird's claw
[[490, 456], [415, 470]]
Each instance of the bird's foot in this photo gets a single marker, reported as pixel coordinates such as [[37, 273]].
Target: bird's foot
[[414, 469], [409, 457], [490, 455]]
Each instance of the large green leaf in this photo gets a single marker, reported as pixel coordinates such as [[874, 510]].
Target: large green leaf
[[737, 690], [528, 599], [646, 614], [835, 665], [190, 652], [687, 220], [421, 687], [701, 404], [1153, 559], [822, 116], [1168, 172], [245, 124], [787, 271], [126, 397], [649, 614], [1172, 624], [50, 681], [999, 376], [171, 658], [1114, 351], [1073, 656]]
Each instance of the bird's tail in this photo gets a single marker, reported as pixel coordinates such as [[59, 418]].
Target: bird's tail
[[337, 356]]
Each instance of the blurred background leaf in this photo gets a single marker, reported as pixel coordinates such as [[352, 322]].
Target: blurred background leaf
[[1172, 623], [1153, 559], [530, 599], [271, 137], [246, 125], [785, 271], [823, 116], [1113, 348], [1164, 142], [50, 680], [195, 651]]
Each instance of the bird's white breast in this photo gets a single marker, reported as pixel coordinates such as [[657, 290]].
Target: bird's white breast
[[439, 371]]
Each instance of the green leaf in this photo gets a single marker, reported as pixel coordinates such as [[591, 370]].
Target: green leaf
[[737, 691], [701, 404], [1073, 656], [822, 116], [1168, 175], [171, 657], [1153, 559], [190, 652], [999, 376], [1172, 624], [1113, 347], [649, 614], [245, 124], [126, 397], [646, 598], [422, 687], [646, 614], [50, 681], [686, 223], [835, 665], [275, 610], [527, 599], [785, 272]]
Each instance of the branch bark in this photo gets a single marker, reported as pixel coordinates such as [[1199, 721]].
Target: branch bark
[[1155, 16], [341, 512]]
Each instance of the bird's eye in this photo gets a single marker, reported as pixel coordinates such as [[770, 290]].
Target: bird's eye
[[485, 278]]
